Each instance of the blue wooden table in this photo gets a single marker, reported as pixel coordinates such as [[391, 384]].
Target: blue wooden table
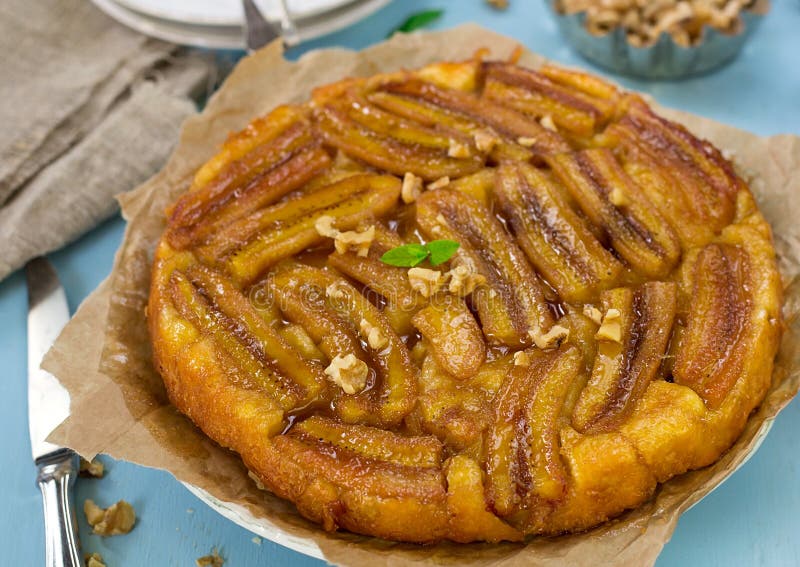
[[752, 519]]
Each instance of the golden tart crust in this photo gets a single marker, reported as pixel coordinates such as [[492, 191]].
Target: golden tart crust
[[609, 320]]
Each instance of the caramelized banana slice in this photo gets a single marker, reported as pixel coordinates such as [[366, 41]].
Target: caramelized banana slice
[[253, 244], [333, 313], [671, 198], [450, 408], [614, 202], [285, 177], [522, 447], [623, 369], [397, 146], [454, 335], [556, 240], [470, 518], [348, 475], [289, 134], [706, 178], [712, 349], [512, 302], [391, 282], [371, 443], [534, 93], [501, 119], [218, 309]]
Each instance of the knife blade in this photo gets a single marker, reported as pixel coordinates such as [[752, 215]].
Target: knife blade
[[48, 406], [48, 400]]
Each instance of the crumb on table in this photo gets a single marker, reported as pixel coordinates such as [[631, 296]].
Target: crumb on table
[[212, 560], [114, 520]]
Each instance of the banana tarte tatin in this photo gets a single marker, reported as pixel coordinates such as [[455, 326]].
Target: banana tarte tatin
[[608, 320]]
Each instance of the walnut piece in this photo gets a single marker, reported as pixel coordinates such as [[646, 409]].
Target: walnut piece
[[375, 338], [91, 468], [439, 183], [485, 140], [593, 313], [498, 4], [324, 227], [426, 282], [348, 372], [462, 281], [617, 198], [359, 241], [547, 123], [94, 560], [115, 520], [212, 560], [522, 358], [411, 189], [611, 327], [458, 149], [335, 291], [551, 339]]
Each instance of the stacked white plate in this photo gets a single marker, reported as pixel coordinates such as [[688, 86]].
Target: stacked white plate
[[217, 24]]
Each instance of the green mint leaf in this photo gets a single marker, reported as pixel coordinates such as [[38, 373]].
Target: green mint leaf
[[406, 256], [441, 250], [417, 21]]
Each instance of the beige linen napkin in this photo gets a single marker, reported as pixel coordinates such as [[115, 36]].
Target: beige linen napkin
[[88, 109]]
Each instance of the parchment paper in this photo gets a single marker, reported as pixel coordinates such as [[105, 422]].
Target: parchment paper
[[119, 406]]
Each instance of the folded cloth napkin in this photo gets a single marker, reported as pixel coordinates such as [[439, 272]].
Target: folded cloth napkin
[[89, 109]]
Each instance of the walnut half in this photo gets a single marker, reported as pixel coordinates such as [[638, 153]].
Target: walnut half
[[348, 372]]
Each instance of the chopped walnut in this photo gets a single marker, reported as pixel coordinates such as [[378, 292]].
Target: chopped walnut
[[335, 291], [375, 338], [439, 183], [526, 141], [91, 468], [485, 140], [463, 281], [611, 327], [498, 4], [324, 227], [360, 241], [617, 198], [522, 358], [256, 480], [115, 520], [426, 282], [412, 188], [94, 560], [458, 149], [440, 219], [348, 372], [213, 560], [547, 123], [593, 313], [551, 339]]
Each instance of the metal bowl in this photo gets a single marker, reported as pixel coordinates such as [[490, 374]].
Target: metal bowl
[[663, 60]]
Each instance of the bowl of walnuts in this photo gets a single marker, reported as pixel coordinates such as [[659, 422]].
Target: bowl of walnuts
[[659, 39]]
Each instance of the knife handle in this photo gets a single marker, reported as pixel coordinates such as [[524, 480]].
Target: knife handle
[[55, 479]]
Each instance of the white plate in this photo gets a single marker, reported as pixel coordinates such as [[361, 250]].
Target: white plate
[[231, 37], [269, 531], [261, 527], [224, 12]]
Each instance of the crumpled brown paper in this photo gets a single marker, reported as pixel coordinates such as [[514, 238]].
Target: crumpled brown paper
[[119, 406]]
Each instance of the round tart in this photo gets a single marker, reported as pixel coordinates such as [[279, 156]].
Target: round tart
[[473, 302]]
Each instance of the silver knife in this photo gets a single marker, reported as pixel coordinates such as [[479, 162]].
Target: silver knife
[[48, 406]]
